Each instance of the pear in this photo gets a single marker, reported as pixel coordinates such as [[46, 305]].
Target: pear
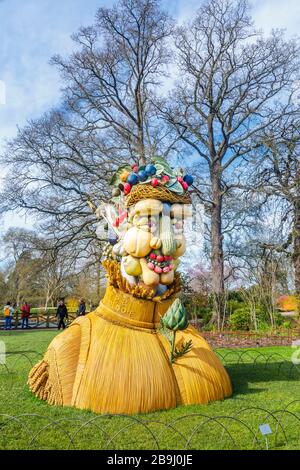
[[132, 266]]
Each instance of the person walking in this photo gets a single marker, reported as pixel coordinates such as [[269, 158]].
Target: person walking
[[81, 308], [8, 312], [62, 313], [25, 315]]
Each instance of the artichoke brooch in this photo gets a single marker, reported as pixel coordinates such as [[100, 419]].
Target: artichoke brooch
[[175, 319]]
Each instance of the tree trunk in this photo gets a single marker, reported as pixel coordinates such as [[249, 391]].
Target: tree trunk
[[217, 255], [140, 125], [296, 248], [141, 145]]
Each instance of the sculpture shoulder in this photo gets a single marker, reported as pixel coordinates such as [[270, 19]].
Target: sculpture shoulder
[[57, 376], [63, 339], [73, 334], [54, 376]]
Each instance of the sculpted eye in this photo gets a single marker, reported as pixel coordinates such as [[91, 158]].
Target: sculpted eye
[[153, 222], [181, 211]]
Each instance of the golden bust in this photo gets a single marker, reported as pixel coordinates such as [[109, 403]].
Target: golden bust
[[119, 358]]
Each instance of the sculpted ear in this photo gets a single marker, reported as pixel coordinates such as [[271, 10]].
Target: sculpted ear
[[116, 217], [110, 213]]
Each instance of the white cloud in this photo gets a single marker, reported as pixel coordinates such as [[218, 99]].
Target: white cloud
[[30, 33], [2, 93], [272, 14], [267, 14], [183, 9]]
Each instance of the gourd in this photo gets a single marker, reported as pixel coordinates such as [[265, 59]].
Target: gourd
[[148, 207], [155, 243], [137, 242], [132, 266], [181, 247], [150, 278], [167, 278], [168, 241]]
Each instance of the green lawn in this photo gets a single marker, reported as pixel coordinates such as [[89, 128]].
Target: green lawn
[[265, 382]]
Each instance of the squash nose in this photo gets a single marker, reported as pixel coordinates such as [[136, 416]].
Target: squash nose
[[168, 242]]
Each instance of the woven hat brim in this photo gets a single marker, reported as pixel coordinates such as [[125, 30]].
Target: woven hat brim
[[146, 191]]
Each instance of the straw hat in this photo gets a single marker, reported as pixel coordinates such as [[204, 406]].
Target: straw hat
[[146, 191]]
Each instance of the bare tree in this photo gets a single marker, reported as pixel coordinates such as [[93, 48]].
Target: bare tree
[[277, 175], [119, 65], [23, 266], [36, 272], [54, 172], [231, 79]]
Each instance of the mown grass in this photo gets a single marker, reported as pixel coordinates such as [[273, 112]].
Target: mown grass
[[264, 380]]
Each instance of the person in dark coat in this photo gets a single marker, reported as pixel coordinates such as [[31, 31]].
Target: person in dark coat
[[81, 308], [62, 313]]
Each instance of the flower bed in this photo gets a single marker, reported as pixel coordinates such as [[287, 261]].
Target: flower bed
[[241, 339]]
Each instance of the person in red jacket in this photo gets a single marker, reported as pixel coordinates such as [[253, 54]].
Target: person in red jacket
[[25, 314]]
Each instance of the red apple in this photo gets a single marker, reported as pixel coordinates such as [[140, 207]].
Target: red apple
[[184, 185], [127, 188], [154, 182]]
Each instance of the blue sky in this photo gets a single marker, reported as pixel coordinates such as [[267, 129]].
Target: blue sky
[[31, 31]]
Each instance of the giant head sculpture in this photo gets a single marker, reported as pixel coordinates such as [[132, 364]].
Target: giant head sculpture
[[147, 213], [110, 362]]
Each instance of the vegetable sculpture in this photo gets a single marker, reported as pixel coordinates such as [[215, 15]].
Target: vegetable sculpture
[[136, 352]]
